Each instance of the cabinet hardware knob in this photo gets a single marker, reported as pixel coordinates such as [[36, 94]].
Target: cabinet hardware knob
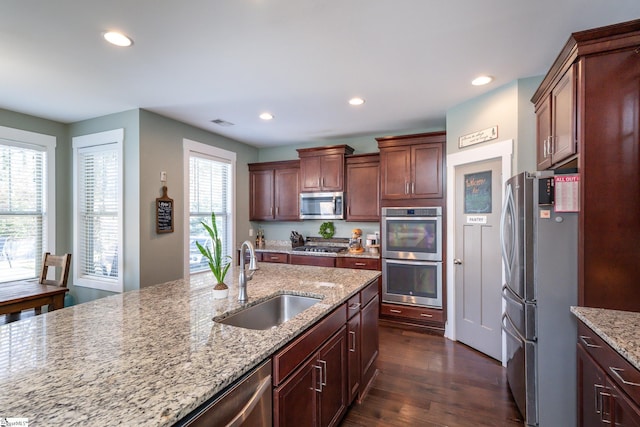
[[319, 390], [457, 261], [354, 306], [426, 315], [324, 372], [353, 341], [360, 264], [395, 311]]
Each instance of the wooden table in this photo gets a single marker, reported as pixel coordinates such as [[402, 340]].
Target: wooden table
[[18, 296]]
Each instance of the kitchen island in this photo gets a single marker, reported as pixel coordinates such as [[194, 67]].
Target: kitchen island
[[150, 357]]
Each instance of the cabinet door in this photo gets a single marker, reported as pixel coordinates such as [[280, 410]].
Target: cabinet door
[[332, 172], [295, 402], [353, 349], [543, 134], [333, 398], [369, 338], [286, 189], [363, 192], [426, 171], [563, 143], [395, 167], [261, 195], [310, 173], [594, 397]]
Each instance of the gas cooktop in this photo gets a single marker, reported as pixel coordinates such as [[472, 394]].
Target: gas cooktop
[[326, 249]]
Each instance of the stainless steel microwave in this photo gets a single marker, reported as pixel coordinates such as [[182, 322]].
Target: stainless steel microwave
[[322, 205]]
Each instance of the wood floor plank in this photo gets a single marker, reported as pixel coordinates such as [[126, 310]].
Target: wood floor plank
[[428, 380]]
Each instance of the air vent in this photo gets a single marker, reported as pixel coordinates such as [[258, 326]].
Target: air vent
[[221, 122]]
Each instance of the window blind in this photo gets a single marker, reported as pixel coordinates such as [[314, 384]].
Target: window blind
[[98, 196], [23, 215], [210, 191]]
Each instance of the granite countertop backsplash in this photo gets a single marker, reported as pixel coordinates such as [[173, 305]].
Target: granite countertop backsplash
[[619, 329], [150, 357]]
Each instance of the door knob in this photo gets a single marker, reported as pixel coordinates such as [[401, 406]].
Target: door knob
[[457, 261]]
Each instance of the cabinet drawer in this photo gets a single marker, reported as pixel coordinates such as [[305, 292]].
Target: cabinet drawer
[[418, 313], [275, 257], [625, 375], [361, 263], [318, 261], [353, 305], [289, 358], [369, 292]]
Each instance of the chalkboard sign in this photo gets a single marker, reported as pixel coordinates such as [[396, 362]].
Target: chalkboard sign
[[164, 213]]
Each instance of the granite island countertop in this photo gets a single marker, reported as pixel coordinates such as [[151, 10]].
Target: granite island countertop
[[149, 357], [619, 329]]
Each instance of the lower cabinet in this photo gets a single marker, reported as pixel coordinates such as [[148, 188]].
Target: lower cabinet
[[608, 386], [318, 261], [315, 394], [319, 374]]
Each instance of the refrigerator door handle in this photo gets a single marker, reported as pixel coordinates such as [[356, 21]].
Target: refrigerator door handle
[[510, 295], [508, 206], [515, 334]]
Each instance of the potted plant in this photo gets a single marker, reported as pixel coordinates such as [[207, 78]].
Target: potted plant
[[218, 264]]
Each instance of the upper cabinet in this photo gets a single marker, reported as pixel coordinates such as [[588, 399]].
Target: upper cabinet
[[273, 191], [412, 166], [602, 68], [556, 124], [363, 187], [322, 168]]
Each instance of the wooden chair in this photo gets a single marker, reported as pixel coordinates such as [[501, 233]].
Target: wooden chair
[[63, 262]]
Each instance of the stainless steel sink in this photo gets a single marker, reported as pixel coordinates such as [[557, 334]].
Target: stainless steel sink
[[269, 313]]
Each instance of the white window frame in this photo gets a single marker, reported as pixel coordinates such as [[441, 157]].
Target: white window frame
[[47, 144], [115, 137], [189, 147]]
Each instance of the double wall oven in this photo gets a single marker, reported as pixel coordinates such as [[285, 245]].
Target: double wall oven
[[412, 256]]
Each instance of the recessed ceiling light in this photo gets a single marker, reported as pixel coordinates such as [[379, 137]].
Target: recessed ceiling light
[[481, 80], [266, 116], [117, 39], [356, 101]]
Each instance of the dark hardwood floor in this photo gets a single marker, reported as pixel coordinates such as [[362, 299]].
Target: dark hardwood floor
[[428, 380]]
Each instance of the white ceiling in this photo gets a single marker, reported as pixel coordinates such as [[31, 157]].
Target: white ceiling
[[199, 60]]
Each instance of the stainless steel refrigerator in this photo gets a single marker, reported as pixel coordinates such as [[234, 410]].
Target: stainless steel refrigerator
[[540, 254]]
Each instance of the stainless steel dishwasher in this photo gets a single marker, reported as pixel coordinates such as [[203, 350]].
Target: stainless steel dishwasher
[[245, 403]]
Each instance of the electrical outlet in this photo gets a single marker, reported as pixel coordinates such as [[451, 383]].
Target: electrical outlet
[[251, 232], [163, 176]]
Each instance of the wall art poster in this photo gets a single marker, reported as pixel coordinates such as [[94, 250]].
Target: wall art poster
[[477, 193]]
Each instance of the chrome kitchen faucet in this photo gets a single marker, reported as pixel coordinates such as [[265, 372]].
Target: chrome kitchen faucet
[[244, 278]]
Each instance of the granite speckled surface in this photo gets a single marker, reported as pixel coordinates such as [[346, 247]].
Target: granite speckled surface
[[619, 329], [149, 357]]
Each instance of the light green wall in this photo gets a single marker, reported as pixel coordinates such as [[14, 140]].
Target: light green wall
[[63, 168], [508, 107], [129, 121], [162, 256]]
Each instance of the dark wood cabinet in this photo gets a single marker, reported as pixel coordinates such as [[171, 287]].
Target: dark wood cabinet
[[606, 68], [322, 168], [412, 166], [369, 340], [273, 191], [354, 356], [555, 123], [363, 187], [318, 261], [316, 393], [608, 386]]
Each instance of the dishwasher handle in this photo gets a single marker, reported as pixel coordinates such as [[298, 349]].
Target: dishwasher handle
[[264, 385]]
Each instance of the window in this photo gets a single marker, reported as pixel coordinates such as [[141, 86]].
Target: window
[[27, 202], [97, 160], [210, 173]]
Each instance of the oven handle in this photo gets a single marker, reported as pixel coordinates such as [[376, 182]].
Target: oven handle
[[412, 262]]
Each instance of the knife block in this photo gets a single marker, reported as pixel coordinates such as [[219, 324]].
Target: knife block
[[297, 241]]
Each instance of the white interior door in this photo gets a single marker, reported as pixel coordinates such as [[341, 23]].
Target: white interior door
[[477, 256]]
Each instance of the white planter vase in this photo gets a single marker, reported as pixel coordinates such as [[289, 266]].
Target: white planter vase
[[220, 293]]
